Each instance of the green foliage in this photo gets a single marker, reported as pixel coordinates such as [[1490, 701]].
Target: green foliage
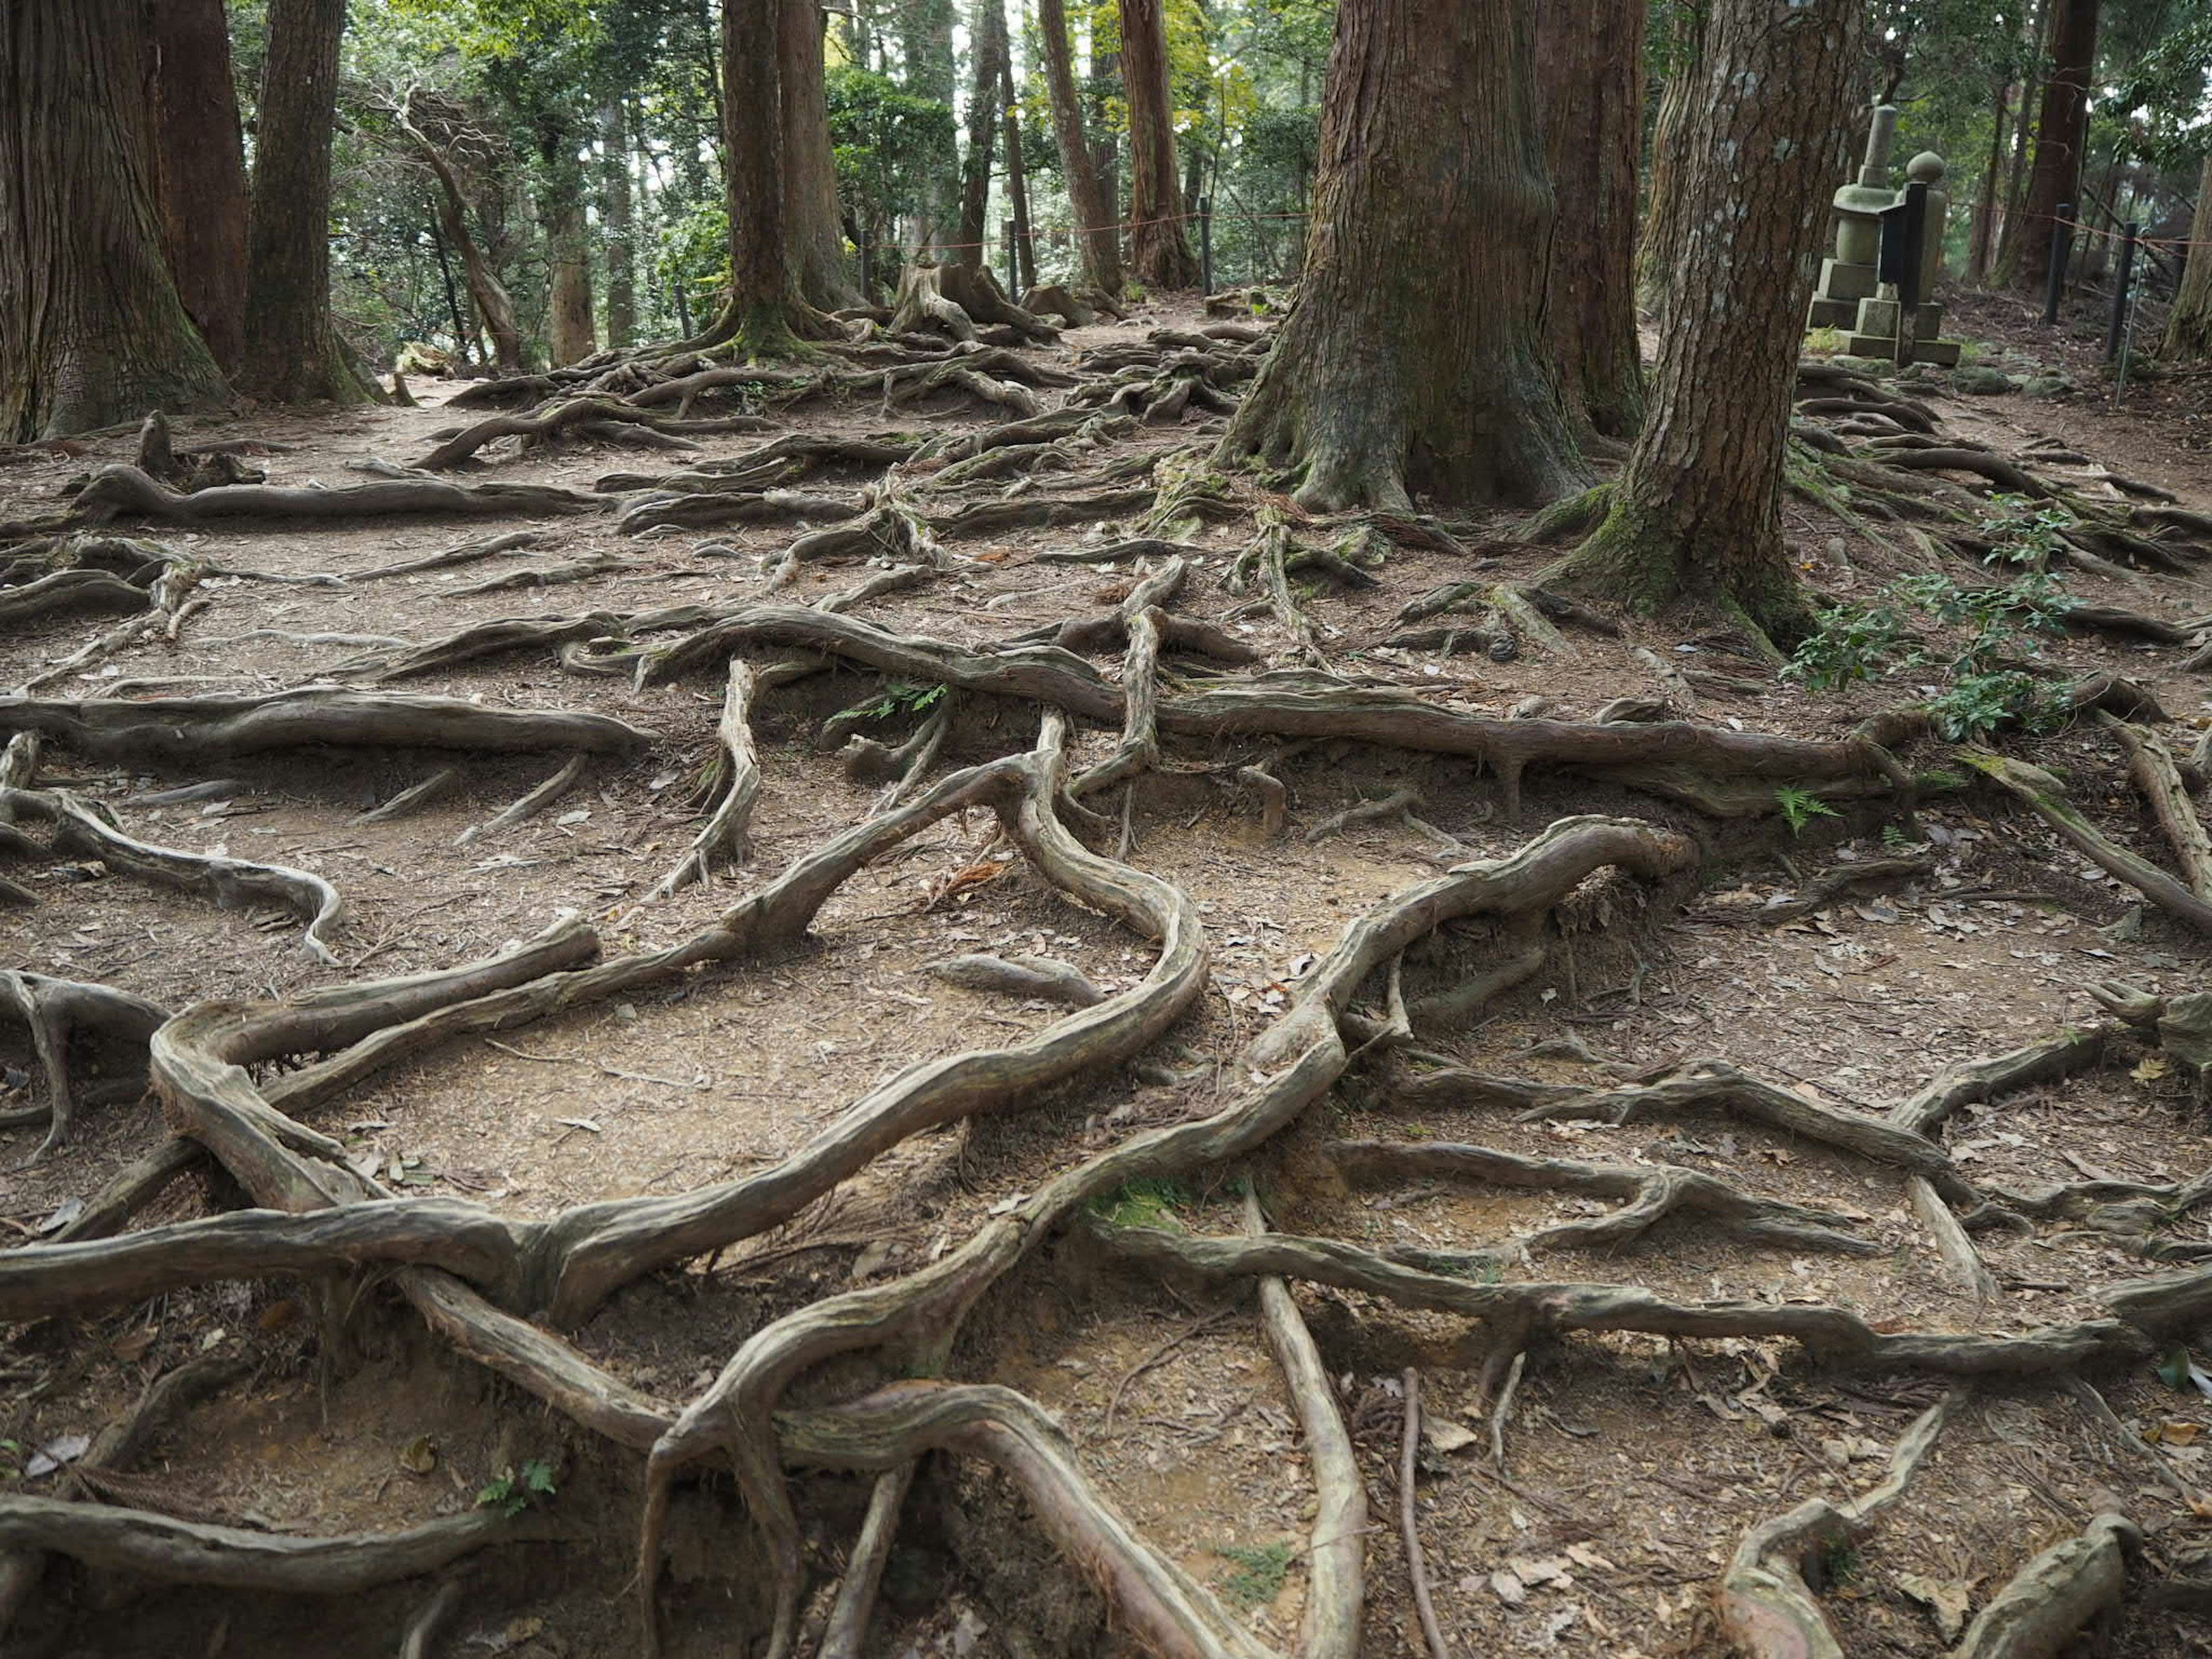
[[1852, 642], [1260, 1571], [901, 698], [890, 145], [1894, 838], [1839, 1561], [1145, 1202], [1800, 806], [515, 1491]]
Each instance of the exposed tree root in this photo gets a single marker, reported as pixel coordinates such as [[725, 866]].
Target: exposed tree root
[[1019, 976], [702, 508], [124, 491], [559, 419], [1409, 1525], [67, 591], [530, 806], [58, 1013], [737, 778], [2056, 1595]]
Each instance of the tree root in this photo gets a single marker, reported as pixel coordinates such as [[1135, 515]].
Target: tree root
[[411, 800], [846, 1630], [2155, 774], [68, 591], [467, 553], [555, 788], [702, 508], [2055, 1595], [557, 420], [55, 1013], [1409, 1525], [738, 780], [124, 491], [1019, 976]]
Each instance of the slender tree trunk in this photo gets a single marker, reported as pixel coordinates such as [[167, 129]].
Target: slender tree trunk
[[91, 330], [1017, 189], [1695, 515], [619, 221], [1106, 155], [1589, 67], [1670, 133], [1979, 245], [1100, 242], [1159, 252], [1415, 359], [465, 330], [199, 167], [809, 169], [2062, 133], [2189, 330], [293, 354], [860, 34], [490, 294], [987, 33]]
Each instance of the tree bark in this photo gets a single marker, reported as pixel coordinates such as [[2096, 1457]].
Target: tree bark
[[199, 167], [1017, 189], [765, 313], [1096, 236], [1696, 516], [618, 217], [2062, 134], [2033, 35], [1982, 237], [1589, 67], [1159, 252], [809, 169], [569, 327], [925, 43], [293, 353], [1670, 132], [1416, 359], [2189, 330], [987, 33], [492, 303], [92, 331]]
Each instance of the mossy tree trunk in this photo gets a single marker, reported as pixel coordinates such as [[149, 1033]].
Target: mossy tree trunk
[[293, 353], [1589, 68], [765, 313], [1682, 51], [92, 331], [2189, 330], [2062, 135], [1695, 515], [1416, 359], [812, 225], [199, 167], [1099, 242], [1159, 251]]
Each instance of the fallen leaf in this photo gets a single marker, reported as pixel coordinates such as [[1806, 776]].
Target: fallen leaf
[[1947, 1599], [2151, 1069], [63, 1449], [2174, 1434], [1510, 1591], [1445, 1435], [131, 1348], [65, 1212], [419, 1455]]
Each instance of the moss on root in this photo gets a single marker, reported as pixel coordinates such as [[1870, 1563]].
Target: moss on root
[[1636, 562]]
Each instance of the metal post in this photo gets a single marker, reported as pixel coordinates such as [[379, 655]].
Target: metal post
[[1205, 243], [2119, 323], [2061, 250], [1913, 246]]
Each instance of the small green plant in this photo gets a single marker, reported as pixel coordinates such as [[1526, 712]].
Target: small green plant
[[1800, 806], [515, 1491], [2026, 533], [1145, 1202], [1839, 1561], [1853, 642], [1894, 838], [1260, 1572], [901, 698], [1975, 705], [1823, 342]]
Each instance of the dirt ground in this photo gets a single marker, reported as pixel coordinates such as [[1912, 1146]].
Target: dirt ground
[[1633, 1464]]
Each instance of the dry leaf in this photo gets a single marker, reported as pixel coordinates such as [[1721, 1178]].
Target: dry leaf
[[1445, 1435], [419, 1455], [131, 1348], [2151, 1069], [1510, 1591], [1948, 1600]]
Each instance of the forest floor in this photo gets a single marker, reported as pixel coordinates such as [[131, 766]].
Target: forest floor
[[1627, 1464]]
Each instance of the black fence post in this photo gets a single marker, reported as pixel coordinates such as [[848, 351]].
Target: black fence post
[[2061, 250], [2116, 332], [1205, 243]]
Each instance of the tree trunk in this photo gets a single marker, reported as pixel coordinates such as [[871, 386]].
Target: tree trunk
[[2189, 330], [1159, 252], [1415, 359], [293, 354], [765, 313], [987, 36], [2033, 35], [1017, 189], [2062, 134], [1979, 243], [1589, 67], [809, 169], [92, 331], [1099, 240], [1670, 133], [466, 341], [1695, 515], [492, 301], [925, 42], [569, 322], [199, 167], [618, 222]]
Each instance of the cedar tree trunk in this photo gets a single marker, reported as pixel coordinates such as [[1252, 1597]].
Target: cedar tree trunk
[[765, 312], [91, 330], [1678, 109], [1096, 236], [1695, 515], [618, 218], [1017, 188], [987, 33], [568, 324], [1589, 67], [1159, 252], [199, 167], [2189, 330], [1984, 234], [817, 237], [1415, 359], [2062, 135]]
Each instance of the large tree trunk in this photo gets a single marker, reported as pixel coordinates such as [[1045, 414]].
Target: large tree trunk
[[91, 330], [809, 169], [1589, 59], [293, 354], [1017, 189], [2062, 134], [1415, 359], [1097, 237], [618, 218], [2189, 330], [492, 300], [1159, 252], [926, 44], [199, 167], [1695, 515], [765, 313], [568, 324], [988, 34], [1680, 66], [2033, 33]]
